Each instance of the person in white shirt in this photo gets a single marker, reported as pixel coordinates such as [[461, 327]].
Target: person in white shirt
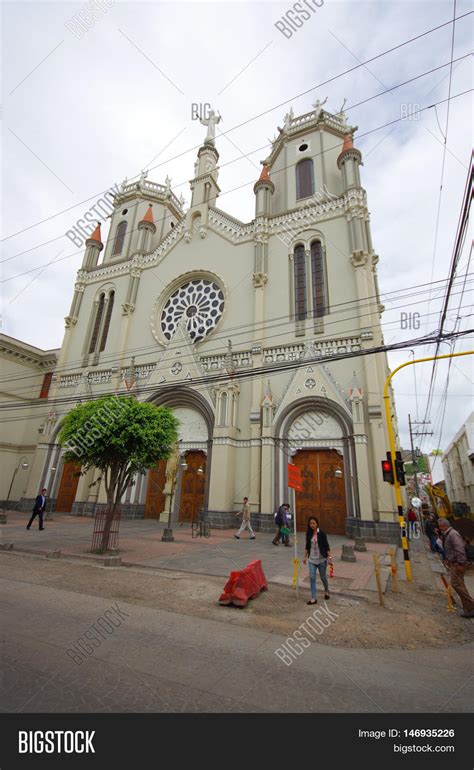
[[245, 513]]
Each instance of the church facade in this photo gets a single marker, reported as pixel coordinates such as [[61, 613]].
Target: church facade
[[253, 333]]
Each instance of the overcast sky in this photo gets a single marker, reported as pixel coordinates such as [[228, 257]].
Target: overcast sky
[[81, 112]]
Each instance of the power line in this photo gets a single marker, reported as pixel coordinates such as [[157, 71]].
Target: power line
[[268, 324], [246, 184], [265, 112], [243, 156], [438, 214], [456, 256], [269, 369], [340, 336]]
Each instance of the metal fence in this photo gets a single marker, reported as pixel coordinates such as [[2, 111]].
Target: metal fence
[[106, 531]]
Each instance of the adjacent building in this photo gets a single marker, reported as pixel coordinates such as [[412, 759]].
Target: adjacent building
[[458, 465]]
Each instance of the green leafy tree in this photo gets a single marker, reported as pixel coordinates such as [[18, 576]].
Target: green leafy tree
[[122, 437]]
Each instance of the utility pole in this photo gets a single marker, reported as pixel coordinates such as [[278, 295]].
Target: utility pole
[[413, 459], [414, 454]]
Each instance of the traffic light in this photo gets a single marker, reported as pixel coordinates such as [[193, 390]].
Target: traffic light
[[400, 469], [387, 470]]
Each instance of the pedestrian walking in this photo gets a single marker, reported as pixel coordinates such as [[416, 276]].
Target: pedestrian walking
[[38, 510], [317, 554], [456, 562], [281, 520], [469, 550], [245, 513], [439, 545], [413, 522], [430, 532]]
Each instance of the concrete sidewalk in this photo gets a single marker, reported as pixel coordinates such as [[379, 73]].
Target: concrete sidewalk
[[140, 545]]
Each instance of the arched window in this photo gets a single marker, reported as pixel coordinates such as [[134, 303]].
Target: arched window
[[300, 283], [304, 179], [318, 279], [108, 315], [96, 327], [119, 238], [223, 409]]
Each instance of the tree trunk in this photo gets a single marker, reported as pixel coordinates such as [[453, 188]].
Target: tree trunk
[[116, 482], [109, 516]]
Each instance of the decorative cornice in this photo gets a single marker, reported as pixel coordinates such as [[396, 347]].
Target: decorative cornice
[[317, 118], [353, 202], [28, 354], [316, 347], [150, 259], [149, 191]]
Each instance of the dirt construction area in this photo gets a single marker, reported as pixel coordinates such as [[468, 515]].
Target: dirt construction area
[[414, 617]]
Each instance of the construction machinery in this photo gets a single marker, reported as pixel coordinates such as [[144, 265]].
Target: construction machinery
[[459, 513]]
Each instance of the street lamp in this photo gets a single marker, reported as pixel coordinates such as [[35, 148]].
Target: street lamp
[[48, 516], [176, 460], [23, 464]]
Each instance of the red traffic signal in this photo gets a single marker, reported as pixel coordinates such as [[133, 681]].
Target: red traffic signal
[[387, 470]]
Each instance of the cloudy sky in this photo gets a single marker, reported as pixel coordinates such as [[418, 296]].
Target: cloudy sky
[[85, 109]]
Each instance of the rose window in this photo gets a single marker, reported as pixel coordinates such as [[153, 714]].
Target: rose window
[[200, 302]]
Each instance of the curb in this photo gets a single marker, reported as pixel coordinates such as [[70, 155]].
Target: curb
[[116, 561]]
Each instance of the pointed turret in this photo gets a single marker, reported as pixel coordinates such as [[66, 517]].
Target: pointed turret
[[149, 215], [94, 246], [146, 228], [263, 189], [267, 395], [355, 389], [349, 160], [268, 406], [96, 236]]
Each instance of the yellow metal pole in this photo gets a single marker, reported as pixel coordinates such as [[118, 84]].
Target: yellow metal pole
[[448, 593], [391, 436], [378, 580], [394, 570]]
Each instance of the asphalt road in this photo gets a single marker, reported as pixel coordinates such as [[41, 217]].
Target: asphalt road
[[164, 661]]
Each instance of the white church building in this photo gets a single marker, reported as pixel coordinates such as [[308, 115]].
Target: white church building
[[252, 332]]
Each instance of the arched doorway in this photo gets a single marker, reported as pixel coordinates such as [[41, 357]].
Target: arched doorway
[[316, 434], [193, 486], [323, 494], [196, 425]]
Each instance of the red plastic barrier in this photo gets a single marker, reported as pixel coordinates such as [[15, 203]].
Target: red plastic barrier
[[244, 584]]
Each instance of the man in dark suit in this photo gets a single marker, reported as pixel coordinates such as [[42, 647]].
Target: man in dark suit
[[38, 510]]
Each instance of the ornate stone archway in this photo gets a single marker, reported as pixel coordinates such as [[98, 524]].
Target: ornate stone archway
[[314, 423], [197, 424]]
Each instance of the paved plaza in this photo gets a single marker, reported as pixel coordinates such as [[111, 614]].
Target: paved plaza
[[141, 545]]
